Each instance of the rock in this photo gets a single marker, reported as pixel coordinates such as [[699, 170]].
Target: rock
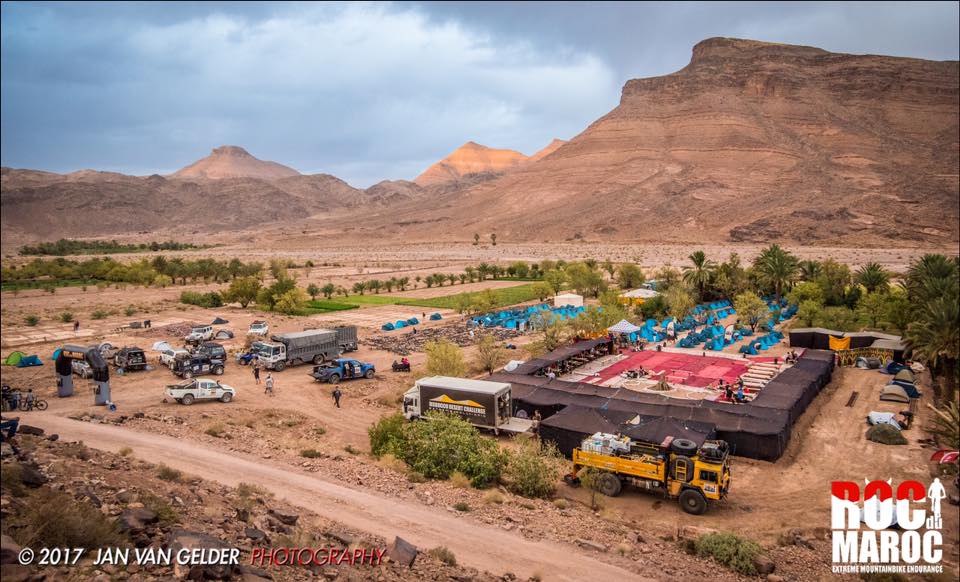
[[402, 552], [284, 517], [16, 573], [638, 537], [133, 568], [764, 565], [183, 539], [31, 477], [591, 544], [136, 519], [254, 534], [53, 437], [8, 551], [138, 415], [124, 496], [6, 450], [774, 578], [31, 430], [344, 538]]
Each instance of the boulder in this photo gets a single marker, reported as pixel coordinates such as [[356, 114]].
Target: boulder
[[183, 539], [30, 430], [692, 532], [774, 578], [591, 545], [9, 550], [764, 565], [136, 519], [284, 517], [342, 537], [31, 477], [402, 552], [254, 534]]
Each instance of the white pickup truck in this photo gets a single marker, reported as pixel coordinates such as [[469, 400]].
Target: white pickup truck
[[189, 391]]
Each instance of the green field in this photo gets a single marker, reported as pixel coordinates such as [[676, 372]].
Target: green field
[[502, 297], [326, 306]]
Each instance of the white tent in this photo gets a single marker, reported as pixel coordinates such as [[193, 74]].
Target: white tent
[[639, 294], [624, 326], [571, 299], [512, 365], [161, 346]]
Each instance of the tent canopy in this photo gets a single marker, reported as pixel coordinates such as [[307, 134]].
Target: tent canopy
[[624, 326], [161, 346], [13, 359], [894, 393]]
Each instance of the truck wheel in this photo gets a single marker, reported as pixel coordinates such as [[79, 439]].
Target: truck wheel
[[188, 374], [218, 370], [692, 502], [609, 484], [317, 359], [279, 366], [187, 399], [334, 379], [227, 397], [370, 374]]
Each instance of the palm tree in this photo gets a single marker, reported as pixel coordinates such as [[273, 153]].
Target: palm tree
[[934, 338], [402, 282], [924, 277], [359, 287], [777, 268], [809, 270], [470, 272], [701, 273], [873, 277]]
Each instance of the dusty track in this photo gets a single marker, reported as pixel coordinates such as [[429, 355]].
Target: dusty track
[[485, 548]]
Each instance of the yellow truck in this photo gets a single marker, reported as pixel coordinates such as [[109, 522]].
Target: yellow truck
[[693, 475]]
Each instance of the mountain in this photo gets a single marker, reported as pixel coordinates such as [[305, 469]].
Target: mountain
[[470, 159], [751, 142], [551, 147], [234, 162]]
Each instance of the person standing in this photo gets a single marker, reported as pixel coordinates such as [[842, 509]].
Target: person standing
[[76, 326], [30, 399], [269, 384], [336, 396], [256, 372]]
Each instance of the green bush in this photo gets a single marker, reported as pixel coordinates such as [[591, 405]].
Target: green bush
[[211, 299], [66, 316], [729, 550], [533, 470], [311, 453], [168, 473], [166, 514], [31, 320], [444, 555], [98, 314], [55, 520], [461, 506], [443, 444], [386, 436], [130, 310]]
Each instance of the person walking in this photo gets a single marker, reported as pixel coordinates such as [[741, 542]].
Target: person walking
[[76, 326], [336, 396], [269, 384], [256, 372]]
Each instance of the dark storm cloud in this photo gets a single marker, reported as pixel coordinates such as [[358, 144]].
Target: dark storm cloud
[[370, 91]]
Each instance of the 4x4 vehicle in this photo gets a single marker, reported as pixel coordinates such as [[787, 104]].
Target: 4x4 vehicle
[[129, 359], [259, 327], [200, 333], [197, 364], [200, 389]]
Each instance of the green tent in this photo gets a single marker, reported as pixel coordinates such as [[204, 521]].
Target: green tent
[[13, 359]]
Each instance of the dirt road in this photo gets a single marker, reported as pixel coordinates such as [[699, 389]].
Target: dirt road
[[485, 548]]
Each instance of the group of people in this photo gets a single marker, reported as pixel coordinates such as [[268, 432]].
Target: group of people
[[791, 357], [737, 397], [635, 374], [268, 382], [13, 399]]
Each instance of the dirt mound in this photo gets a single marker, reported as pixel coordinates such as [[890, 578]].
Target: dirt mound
[[234, 162]]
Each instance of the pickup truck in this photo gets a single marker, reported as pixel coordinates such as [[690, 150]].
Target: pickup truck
[[188, 392], [343, 369], [199, 334], [259, 327]]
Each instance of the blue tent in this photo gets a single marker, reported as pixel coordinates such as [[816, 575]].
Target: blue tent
[[28, 361], [387, 327], [400, 323], [435, 317], [413, 321]]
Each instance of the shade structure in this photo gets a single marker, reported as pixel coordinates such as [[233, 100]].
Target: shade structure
[[624, 326]]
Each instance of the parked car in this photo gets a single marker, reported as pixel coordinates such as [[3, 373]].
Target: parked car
[[195, 389], [259, 327], [130, 359], [212, 349], [199, 334], [343, 369], [81, 368], [168, 356], [196, 365]]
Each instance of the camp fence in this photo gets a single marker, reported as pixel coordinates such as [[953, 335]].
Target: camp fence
[[759, 429], [849, 345], [539, 365]]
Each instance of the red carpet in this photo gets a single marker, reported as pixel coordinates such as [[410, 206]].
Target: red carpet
[[685, 369]]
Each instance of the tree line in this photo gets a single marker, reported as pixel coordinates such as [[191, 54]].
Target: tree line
[[67, 246]]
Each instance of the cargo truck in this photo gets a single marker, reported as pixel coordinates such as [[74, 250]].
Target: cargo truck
[[290, 349], [486, 405]]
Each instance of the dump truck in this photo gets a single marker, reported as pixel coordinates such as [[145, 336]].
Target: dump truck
[[484, 404], [290, 349], [347, 338], [693, 475]]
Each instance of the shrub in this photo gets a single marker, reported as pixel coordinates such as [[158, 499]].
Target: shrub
[[169, 473], [729, 550], [31, 320], [386, 436], [211, 299], [533, 470], [125, 452], [493, 496], [388, 461], [165, 512], [130, 310], [310, 453], [352, 449], [444, 555], [415, 477], [319, 431], [98, 314], [459, 480], [10, 478], [445, 443], [55, 520], [246, 490], [66, 316], [461, 506], [216, 430]]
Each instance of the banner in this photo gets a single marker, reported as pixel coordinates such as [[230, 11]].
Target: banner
[[837, 343]]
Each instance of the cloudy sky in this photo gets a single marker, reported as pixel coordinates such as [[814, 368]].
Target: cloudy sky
[[371, 91]]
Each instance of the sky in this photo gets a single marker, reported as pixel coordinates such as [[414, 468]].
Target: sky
[[371, 91]]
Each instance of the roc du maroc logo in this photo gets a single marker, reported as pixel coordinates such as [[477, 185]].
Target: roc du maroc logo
[[897, 530]]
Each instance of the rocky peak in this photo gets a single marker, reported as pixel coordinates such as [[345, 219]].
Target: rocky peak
[[230, 150]]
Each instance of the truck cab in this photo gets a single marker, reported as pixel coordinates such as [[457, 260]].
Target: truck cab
[[411, 403], [271, 355]]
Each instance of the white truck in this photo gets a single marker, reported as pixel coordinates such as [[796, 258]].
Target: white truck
[[259, 327], [290, 349], [190, 391], [200, 333], [484, 404]]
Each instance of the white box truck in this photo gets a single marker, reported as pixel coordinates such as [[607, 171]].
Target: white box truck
[[484, 404]]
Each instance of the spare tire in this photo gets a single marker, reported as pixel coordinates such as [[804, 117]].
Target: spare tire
[[684, 447]]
